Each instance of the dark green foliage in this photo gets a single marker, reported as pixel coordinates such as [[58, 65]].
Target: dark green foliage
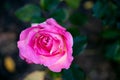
[[118, 25], [49, 5], [79, 40], [60, 14], [113, 51], [108, 12], [110, 34], [74, 73], [97, 9], [78, 18], [29, 13], [73, 3]]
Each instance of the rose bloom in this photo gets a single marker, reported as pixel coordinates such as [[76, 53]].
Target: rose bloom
[[48, 44]]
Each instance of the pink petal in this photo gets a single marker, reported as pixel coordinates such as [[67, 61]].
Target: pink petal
[[24, 33], [52, 22], [69, 42], [27, 53], [52, 26], [49, 60], [62, 63]]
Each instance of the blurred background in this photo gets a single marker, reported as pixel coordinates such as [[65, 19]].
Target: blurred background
[[94, 24]]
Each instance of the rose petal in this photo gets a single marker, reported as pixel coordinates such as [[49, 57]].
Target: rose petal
[[49, 60], [52, 26], [69, 42], [62, 63], [24, 33], [27, 53], [52, 22]]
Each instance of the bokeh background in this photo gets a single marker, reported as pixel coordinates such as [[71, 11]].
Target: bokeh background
[[94, 24]]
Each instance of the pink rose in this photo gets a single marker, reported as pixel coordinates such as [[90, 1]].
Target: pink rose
[[47, 43]]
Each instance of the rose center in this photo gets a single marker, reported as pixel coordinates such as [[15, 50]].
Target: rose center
[[46, 44], [45, 40]]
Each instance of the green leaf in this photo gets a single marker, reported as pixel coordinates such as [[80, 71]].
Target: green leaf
[[113, 51], [74, 31], [73, 3], [79, 44], [60, 15], [105, 11], [28, 12], [109, 21], [79, 40], [77, 72], [67, 75], [97, 9], [38, 20], [74, 72], [54, 75], [118, 25], [49, 5], [78, 18], [110, 34]]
